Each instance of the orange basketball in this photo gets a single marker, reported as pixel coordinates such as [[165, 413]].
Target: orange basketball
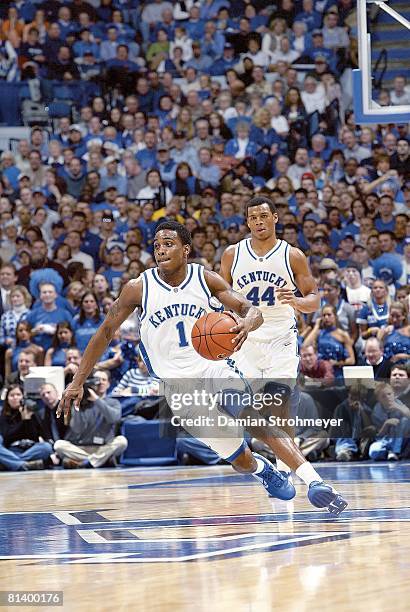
[[211, 337]]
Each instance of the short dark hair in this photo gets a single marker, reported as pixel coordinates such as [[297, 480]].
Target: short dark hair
[[258, 201], [181, 230]]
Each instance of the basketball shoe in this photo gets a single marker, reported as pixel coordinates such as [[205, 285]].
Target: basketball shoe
[[322, 495], [276, 483]]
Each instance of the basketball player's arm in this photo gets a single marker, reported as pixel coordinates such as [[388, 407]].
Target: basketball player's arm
[[304, 281], [251, 317], [226, 264], [123, 306]]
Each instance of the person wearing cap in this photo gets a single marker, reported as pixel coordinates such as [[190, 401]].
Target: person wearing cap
[[166, 165], [110, 177], [184, 152], [225, 62], [361, 257], [345, 249], [114, 267]]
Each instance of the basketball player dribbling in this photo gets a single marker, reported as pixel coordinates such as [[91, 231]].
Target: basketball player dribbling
[[172, 298], [268, 271]]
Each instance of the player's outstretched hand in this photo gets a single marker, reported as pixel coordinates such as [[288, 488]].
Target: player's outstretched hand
[[286, 296], [71, 396], [242, 329]]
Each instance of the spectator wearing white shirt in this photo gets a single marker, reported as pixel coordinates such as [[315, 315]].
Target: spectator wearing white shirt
[[73, 239], [400, 94], [155, 188], [285, 53], [313, 95], [279, 121], [183, 41], [300, 167]]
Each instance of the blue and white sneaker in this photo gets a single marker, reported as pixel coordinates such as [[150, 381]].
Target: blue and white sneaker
[[322, 495], [276, 483]]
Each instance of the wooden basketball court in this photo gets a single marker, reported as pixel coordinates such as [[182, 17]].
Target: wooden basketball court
[[206, 539]]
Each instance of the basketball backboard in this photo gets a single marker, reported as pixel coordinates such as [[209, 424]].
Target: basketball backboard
[[383, 32]]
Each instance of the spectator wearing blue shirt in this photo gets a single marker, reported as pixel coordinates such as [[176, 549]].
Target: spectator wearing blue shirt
[[147, 225], [63, 339], [9, 170], [224, 63], [148, 157], [166, 166], [309, 16], [210, 8], [89, 319], [208, 173], [199, 61], [385, 220], [375, 314], [241, 146], [85, 44], [213, 41], [108, 48], [116, 268], [45, 317], [111, 177]]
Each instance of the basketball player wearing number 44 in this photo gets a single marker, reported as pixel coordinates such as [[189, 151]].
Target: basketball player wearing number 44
[[268, 272], [172, 298]]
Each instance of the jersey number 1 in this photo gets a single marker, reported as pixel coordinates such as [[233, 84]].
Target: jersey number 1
[[182, 336]]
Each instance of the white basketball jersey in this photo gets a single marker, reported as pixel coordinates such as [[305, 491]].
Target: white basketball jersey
[[257, 277], [167, 318]]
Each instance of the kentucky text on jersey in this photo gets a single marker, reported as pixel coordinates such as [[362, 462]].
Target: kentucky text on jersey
[[261, 275], [176, 310]]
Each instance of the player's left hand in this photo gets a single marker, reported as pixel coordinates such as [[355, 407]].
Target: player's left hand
[[286, 296], [242, 329]]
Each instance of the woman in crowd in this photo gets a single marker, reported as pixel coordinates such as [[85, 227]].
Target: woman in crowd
[[20, 435], [332, 343], [185, 183], [294, 109], [87, 321], [396, 335], [375, 314], [184, 123], [62, 254], [20, 300], [101, 287], [62, 340], [74, 293], [22, 342]]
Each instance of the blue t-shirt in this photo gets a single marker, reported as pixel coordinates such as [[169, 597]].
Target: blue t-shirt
[[39, 316], [83, 332]]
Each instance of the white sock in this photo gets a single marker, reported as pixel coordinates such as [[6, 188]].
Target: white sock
[[261, 465], [307, 473], [282, 467]]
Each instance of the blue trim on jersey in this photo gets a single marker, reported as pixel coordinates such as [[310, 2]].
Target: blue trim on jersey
[[275, 248], [249, 250], [202, 281], [144, 295], [235, 263], [145, 357], [287, 264], [238, 452], [190, 273], [158, 280]]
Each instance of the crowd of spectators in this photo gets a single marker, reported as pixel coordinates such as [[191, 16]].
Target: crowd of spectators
[[200, 105]]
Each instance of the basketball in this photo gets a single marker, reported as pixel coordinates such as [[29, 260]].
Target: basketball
[[211, 335]]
